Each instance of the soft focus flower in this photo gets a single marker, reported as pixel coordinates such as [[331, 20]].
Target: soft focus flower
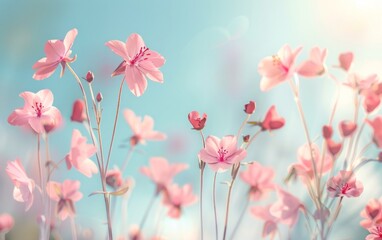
[[161, 172], [66, 194], [327, 131], [89, 77], [196, 121], [6, 223], [221, 154], [79, 155], [344, 184], [135, 233], [315, 65], [346, 60], [138, 63], [371, 100], [57, 52], [360, 83], [250, 107], [114, 178], [333, 147], [142, 129], [178, 197], [53, 124], [287, 207], [37, 111], [375, 233], [260, 180], [277, 68], [24, 186], [272, 120], [376, 124], [372, 213], [78, 112], [270, 222], [347, 128]]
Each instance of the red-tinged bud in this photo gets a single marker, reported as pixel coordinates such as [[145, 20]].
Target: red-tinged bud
[[99, 97], [89, 77], [246, 138], [333, 147], [250, 107], [196, 121], [327, 131], [78, 112], [272, 120], [347, 128], [346, 60]]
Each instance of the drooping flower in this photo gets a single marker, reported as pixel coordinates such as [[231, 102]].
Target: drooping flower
[[260, 180], [78, 111], [196, 121], [375, 233], [277, 68], [79, 155], [6, 223], [315, 65], [272, 120], [65, 194], [346, 60], [376, 124], [37, 111], [114, 178], [161, 172], [270, 222], [57, 52], [344, 184], [250, 107], [347, 128], [24, 186], [138, 63], [372, 214], [221, 154], [142, 129], [178, 197]]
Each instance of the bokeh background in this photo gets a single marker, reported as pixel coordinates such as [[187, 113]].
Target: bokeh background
[[212, 49]]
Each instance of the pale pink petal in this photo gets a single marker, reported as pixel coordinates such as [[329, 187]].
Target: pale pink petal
[[136, 81], [134, 44], [69, 39], [152, 72], [118, 48], [54, 50]]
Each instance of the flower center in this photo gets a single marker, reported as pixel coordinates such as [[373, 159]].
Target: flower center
[[222, 152], [138, 57], [345, 188], [38, 108], [277, 62]]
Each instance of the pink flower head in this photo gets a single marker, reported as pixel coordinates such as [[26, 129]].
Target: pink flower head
[[333, 147], [6, 223], [270, 222], [196, 121], [24, 186], [346, 60], [347, 128], [57, 52], [272, 120], [161, 172], [315, 65], [344, 185], [138, 63], [221, 154], [142, 129], [79, 155], [66, 194], [376, 124], [371, 101], [375, 233], [250, 107], [277, 68], [78, 112], [372, 214], [286, 209], [356, 81], [37, 111], [327, 131], [114, 178], [260, 180], [178, 197]]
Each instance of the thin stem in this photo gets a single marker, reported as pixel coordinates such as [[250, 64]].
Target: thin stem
[[128, 157], [73, 228], [252, 138], [241, 217], [227, 209], [41, 177], [48, 217], [201, 203], [214, 203], [336, 213], [357, 141], [242, 125], [148, 209]]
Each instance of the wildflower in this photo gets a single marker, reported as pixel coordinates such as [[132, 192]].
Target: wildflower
[[344, 185], [315, 65], [178, 197], [196, 121]]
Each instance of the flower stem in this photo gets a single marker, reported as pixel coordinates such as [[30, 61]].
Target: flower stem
[[214, 203], [148, 209], [73, 228], [41, 177], [227, 208], [240, 218], [128, 157], [201, 203]]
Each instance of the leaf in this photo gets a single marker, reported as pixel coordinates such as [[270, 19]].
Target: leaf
[[120, 192]]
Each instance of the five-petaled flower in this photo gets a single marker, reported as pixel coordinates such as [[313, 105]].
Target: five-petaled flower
[[375, 233], [138, 63], [57, 52], [372, 213], [175, 198], [344, 184], [196, 120]]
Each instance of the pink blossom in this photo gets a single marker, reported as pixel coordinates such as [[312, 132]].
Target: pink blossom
[[89, 77], [37, 111], [138, 63], [327, 131], [250, 107], [333, 147], [6, 223], [178, 197], [272, 120], [161, 172], [24, 186], [286, 209], [221, 154], [114, 178], [346, 60], [260, 180], [372, 214], [315, 65], [375, 233], [360, 83], [371, 101], [347, 128], [344, 184], [66, 194], [376, 124], [277, 68], [142, 129], [270, 222], [196, 121], [79, 155], [57, 52], [78, 111]]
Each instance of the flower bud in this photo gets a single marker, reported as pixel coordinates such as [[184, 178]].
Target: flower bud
[[196, 121], [78, 112], [250, 107], [89, 77], [99, 97]]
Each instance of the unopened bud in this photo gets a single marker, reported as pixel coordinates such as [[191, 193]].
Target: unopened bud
[[99, 97], [89, 77]]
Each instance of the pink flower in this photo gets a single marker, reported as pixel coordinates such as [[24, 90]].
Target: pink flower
[[78, 112], [375, 233], [344, 185], [114, 178], [327, 131], [347, 128], [79, 155], [66, 194], [250, 107], [272, 120], [53, 125], [37, 111], [277, 68], [346, 60], [178, 197], [135, 233], [360, 83], [376, 124], [6, 223], [286, 209], [270, 222], [142, 129], [24, 186], [57, 52], [196, 121], [315, 65], [372, 214], [260, 179], [138, 63], [371, 100], [161, 172], [221, 154], [333, 147]]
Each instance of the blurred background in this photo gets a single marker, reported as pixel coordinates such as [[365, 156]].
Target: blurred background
[[212, 49]]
